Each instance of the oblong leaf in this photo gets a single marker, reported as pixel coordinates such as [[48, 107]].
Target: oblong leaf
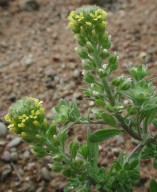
[[109, 119], [153, 186], [104, 134]]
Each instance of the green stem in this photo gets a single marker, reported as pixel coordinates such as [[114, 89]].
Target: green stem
[[138, 123], [127, 128], [138, 147]]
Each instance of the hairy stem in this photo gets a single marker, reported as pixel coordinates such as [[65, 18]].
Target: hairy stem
[[127, 128], [138, 147]]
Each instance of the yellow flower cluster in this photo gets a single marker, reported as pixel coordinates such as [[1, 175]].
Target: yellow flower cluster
[[26, 118], [87, 18]]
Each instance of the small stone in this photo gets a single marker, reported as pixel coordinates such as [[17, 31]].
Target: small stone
[[6, 156], [77, 95], [15, 142], [119, 139], [115, 151], [3, 45], [26, 154], [5, 173], [27, 61], [76, 73], [45, 174], [14, 156], [3, 129], [12, 97], [2, 142], [29, 186], [148, 58], [29, 5]]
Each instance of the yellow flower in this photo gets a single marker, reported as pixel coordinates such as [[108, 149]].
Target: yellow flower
[[24, 116], [87, 17]]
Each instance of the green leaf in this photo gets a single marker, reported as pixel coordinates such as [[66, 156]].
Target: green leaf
[[100, 103], [155, 163], [73, 148], [155, 122], [149, 104], [83, 150], [104, 134], [74, 113], [93, 150], [153, 186], [109, 119], [51, 131], [89, 78]]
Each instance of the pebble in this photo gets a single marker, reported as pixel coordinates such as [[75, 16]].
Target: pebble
[[6, 156], [14, 156], [26, 154], [115, 151], [6, 172], [2, 142], [12, 97], [76, 73], [77, 95], [119, 139], [29, 5], [45, 174], [27, 60], [15, 142], [3, 129], [29, 186], [148, 58]]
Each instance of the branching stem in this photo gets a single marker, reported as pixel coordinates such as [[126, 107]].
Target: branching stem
[[127, 128]]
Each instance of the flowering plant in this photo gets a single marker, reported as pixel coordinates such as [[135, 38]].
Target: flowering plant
[[79, 161]]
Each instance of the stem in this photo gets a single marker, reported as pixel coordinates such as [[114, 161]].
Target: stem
[[138, 123], [91, 122], [119, 117], [138, 147]]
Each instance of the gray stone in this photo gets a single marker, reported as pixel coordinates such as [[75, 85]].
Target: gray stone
[[119, 139], [15, 142], [12, 97], [77, 95], [28, 186], [14, 156], [2, 142], [3, 130], [76, 73], [6, 156], [29, 5], [148, 58], [115, 151], [45, 174], [6, 172], [27, 61], [26, 154]]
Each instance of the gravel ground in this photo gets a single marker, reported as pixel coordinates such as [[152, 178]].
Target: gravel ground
[[37, 59]]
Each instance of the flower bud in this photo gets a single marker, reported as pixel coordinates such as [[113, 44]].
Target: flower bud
[[126, 84], [104, 54], [82, 53], [88, 64], [81, 40], [26, 119], [102, 73], [113, 62], [117, 81], [89, 47]]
